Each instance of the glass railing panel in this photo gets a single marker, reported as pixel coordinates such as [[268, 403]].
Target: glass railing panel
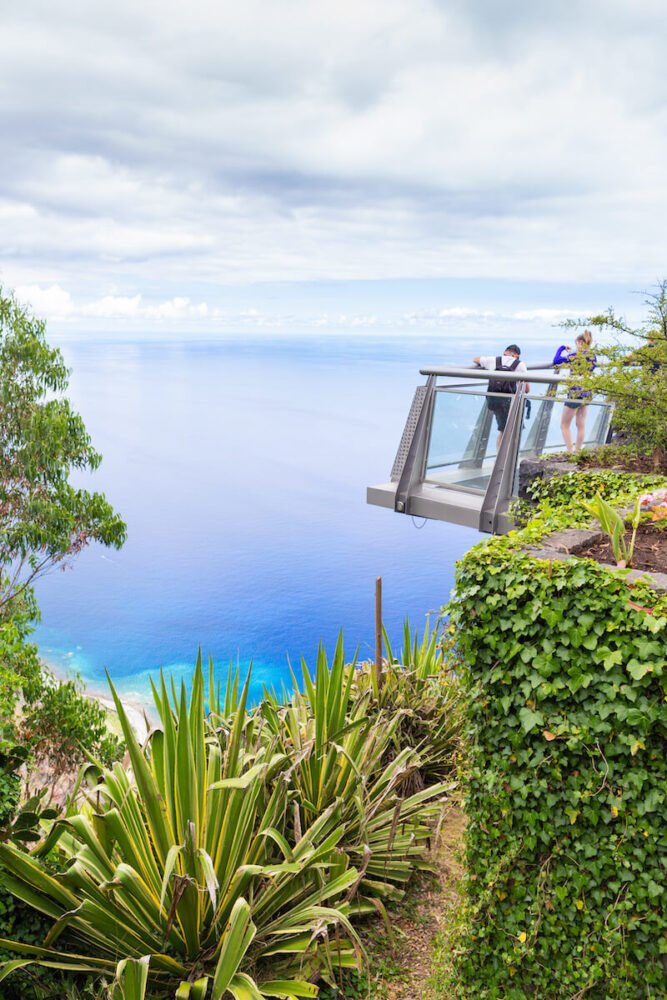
[[464, 437], [466, 429], [542, 431]]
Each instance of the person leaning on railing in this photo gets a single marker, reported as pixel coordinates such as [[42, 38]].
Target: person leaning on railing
[[508, 361], [580, 361]]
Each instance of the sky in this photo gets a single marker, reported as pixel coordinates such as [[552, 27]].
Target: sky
[[302, 166]]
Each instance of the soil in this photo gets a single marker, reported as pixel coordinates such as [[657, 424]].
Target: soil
[[429, 908], [650, 551], [617, 459]]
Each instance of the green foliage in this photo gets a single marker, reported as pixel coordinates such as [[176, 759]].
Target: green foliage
[[11, 759], [343, 753], [566, 779], [614, 527], [420, 692], [634, 375], [558, 502], [66, 727], [43, 518], [20, 822], [236, 851], [20, 666]]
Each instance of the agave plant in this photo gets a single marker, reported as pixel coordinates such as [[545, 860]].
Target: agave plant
[[339, 753], [424, 658], [187, 867], [421, 690]]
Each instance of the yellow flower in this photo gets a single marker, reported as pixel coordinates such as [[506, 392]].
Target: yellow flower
[[522, 937], [614, 811], [579, 904]]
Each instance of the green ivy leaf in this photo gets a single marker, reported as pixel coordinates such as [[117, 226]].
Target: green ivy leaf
[[639, 670], [530, 719]]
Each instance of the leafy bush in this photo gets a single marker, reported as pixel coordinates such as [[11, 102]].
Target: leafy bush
[[65, 727], [173, 857], [21, 824], [567, 776], [557, 502]]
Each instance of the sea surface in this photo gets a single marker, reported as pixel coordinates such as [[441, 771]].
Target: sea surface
[[240, 467]]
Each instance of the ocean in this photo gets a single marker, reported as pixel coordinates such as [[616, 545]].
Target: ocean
[[240, 467]]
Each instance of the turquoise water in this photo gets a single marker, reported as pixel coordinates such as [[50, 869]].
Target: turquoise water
[[241, 468]]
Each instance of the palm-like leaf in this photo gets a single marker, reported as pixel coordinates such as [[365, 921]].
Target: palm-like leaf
[[342, 754]]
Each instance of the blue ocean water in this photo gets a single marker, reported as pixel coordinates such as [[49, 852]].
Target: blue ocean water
[[240, 467]]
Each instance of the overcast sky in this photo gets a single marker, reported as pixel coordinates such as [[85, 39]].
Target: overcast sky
[[274, 164]]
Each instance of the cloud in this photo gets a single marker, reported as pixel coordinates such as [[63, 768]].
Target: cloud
[[171, 152], [180, 313], [54, 303]]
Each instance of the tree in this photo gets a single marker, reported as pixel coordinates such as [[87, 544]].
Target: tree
[[633, 375], [44, 519]]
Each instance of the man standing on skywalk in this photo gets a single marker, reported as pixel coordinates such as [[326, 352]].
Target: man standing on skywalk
[[508, 361]]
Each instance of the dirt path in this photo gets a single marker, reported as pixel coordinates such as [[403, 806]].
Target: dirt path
[[407, 964]]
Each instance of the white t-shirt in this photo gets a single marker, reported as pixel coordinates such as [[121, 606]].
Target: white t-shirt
[[507, 359]]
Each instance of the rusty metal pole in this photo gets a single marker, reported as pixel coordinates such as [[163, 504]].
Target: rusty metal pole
[[378, 633]]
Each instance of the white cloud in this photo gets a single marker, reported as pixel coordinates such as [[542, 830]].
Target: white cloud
[[52, 302], [56, 304], [548, 315], [168, 152]]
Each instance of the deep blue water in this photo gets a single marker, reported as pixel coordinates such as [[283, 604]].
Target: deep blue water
[[241, 469]]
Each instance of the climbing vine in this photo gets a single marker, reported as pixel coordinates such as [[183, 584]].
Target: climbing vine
[[564, 676]]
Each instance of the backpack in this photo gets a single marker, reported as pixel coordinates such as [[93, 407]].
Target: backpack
[[503, 384]]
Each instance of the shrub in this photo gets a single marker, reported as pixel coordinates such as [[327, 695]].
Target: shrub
[[21, 824], [566, 779], [166, 867], [66, 728]]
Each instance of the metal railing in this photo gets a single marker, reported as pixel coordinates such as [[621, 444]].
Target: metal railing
[[447, 465]]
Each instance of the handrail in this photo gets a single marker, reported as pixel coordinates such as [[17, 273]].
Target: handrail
[[533, 366], [484, 373]]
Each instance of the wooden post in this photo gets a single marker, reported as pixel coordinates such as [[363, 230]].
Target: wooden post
[[378, 633]]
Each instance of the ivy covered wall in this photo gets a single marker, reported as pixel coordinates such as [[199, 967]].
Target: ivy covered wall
[[567, 779]]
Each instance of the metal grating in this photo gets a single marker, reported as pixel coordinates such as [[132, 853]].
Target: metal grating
[[408, 433]]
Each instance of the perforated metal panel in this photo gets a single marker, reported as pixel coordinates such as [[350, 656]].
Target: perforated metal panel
[[408, 433]]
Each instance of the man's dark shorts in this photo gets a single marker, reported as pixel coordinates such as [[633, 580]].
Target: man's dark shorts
[[500, 408]]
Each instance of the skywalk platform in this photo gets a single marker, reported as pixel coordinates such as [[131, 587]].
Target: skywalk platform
[[453, 463]]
